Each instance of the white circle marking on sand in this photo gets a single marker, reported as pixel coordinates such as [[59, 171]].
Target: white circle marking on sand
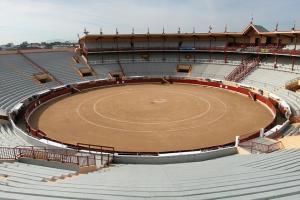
[[150, 131], [134, 122]]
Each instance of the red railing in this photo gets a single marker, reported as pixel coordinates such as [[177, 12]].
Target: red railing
[[251, 48], [102, 151], [235, 72], [93, 147], [243, 70], [42, 154], [260, 147], [8, 153], [248, 69]]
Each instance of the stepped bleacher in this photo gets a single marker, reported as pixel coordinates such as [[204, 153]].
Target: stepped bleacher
[[263, 176], [63, 67], [60, 64], [272, 77], [284, 63], [217, 71], [150, 69], [16, 80], [17, 74], [255, 57], [8, 138], [104, 70], [157, 66], [274, 81], [257, 176]]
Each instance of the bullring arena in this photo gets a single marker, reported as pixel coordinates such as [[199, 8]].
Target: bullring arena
[[152, 117]]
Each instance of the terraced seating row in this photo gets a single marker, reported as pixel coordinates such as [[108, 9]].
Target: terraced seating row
[[150, 69], [16, 81], [60, 64], [261, 176], [104, 70], [8, 138], [217, 71], [274, 81], [284, 63]]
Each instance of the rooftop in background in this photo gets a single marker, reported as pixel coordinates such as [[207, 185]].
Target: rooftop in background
[[258, 29]]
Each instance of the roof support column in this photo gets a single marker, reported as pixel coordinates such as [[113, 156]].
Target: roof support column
[[277, 41], [117, 45], [178, 49], [295, 42], [132, 47], [225, 50], [164, 49], [101, 45], [194, 54]]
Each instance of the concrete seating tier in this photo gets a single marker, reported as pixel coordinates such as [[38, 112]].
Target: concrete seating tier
[[261, 176]]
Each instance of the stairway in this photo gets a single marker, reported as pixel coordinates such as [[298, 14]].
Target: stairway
[[121, 68], [165, 81], [84, 61], [33, 63], [243, 70]]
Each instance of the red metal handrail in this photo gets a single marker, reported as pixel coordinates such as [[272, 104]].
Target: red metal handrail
[[91, 148], [234, 48], [7, 153], [263, 148]]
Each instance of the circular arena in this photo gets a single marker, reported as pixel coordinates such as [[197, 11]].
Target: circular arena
[[152, 117]]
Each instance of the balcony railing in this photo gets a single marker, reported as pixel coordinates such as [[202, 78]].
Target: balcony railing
[[238, 48], [158, 60]]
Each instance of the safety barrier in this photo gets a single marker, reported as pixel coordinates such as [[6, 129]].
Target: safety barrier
[[42, 154], [238, 48], [262, 148], [8, 153], [106, 153]]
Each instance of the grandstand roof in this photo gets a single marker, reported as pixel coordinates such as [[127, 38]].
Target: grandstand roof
[[259, 29]]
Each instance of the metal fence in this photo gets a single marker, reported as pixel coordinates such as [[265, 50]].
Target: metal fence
[[260, 147], [42, 154]]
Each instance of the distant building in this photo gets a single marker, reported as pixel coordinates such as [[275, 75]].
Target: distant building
[[36, 45], [8, 46]]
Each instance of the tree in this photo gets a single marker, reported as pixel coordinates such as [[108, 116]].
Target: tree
[[24, 44]]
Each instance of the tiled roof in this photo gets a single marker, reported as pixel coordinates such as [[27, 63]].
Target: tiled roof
[[260, 28]]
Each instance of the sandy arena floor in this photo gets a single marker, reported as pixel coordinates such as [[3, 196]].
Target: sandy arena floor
[[152, 117]]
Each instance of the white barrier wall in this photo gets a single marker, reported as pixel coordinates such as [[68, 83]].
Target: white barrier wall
[[175, 158]]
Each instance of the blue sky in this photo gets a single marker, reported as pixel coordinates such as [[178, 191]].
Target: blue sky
[[43, 20]]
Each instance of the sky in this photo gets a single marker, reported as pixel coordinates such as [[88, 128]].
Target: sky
[[47, 20]]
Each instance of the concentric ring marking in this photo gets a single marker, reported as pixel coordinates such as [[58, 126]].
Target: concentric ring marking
[[135, 122], [150, 131]]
